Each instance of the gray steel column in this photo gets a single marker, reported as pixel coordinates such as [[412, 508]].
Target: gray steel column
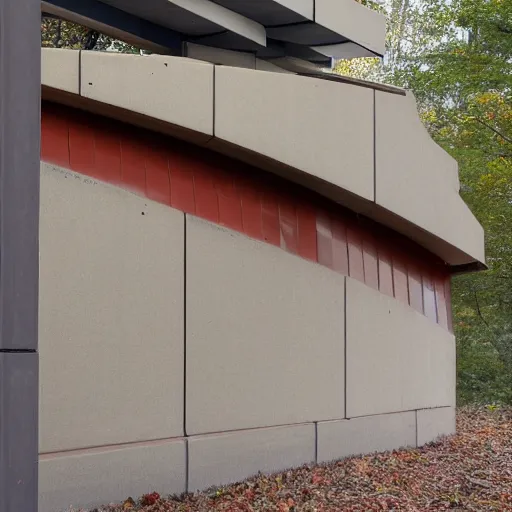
[[20, 57]]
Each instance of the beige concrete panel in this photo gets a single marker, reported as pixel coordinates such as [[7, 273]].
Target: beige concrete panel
[[220, 56], [339, 439], [111, 315], [264, 334], [60, 69], [226, 18], [354, 21], [397, 359], [95, 477], [417, 180], [175, 90], [435, 423], [322, 128], [220, 459]]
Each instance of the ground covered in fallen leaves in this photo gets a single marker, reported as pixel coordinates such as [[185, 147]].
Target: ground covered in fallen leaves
[[469, 471]]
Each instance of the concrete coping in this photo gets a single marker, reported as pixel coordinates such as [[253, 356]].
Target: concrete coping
[[356, 81], [356, 143]]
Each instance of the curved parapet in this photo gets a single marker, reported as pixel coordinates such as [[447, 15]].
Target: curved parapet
[[322, 129], [170, 94], [361, 147], [418, 181]]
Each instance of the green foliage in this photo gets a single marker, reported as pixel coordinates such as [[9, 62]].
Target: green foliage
[[57, 33], [457, 58], [482, 376]]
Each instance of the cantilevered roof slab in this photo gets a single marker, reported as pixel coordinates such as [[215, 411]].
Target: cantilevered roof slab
[[273, 13], [269, 29], [193, 17], [318, 23]]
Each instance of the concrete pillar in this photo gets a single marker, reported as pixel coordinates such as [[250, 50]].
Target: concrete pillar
[[19, 252]]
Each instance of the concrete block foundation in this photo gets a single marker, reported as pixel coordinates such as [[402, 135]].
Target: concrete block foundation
[[95, 477], [435, 423], [357, 436], [220, 459]]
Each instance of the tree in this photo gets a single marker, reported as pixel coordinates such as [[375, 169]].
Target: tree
[[58, 33]]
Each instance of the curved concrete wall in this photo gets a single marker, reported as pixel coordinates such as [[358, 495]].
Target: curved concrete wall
[[109, 307], [388, 369], [179, 353], [330, 135], [363, 148], [275, 314], [417, 180]]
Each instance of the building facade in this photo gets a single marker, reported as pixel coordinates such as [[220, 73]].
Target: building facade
[[243, 268]]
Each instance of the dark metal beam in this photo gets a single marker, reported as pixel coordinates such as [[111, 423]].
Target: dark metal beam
[[475, 266], [20, 85], [116, 23]]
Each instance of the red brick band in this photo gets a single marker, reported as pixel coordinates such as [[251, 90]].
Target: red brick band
[[263, 206]]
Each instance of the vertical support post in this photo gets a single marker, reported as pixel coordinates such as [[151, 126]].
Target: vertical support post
[[20, 86]]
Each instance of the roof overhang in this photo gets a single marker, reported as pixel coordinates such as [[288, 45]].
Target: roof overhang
[[359, 144], [312, 30]]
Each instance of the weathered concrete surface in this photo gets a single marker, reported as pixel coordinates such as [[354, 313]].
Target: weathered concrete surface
[[94, 477], [264, 334], [111, 315], [434, 423], [338, 439], [226, 458], [397, 359]]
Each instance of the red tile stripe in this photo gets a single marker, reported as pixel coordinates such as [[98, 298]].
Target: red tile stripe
[[264, 207]]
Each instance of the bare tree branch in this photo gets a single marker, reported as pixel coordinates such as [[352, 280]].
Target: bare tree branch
[[478, 310], [58, 35], [91, 40], [504, 137]]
